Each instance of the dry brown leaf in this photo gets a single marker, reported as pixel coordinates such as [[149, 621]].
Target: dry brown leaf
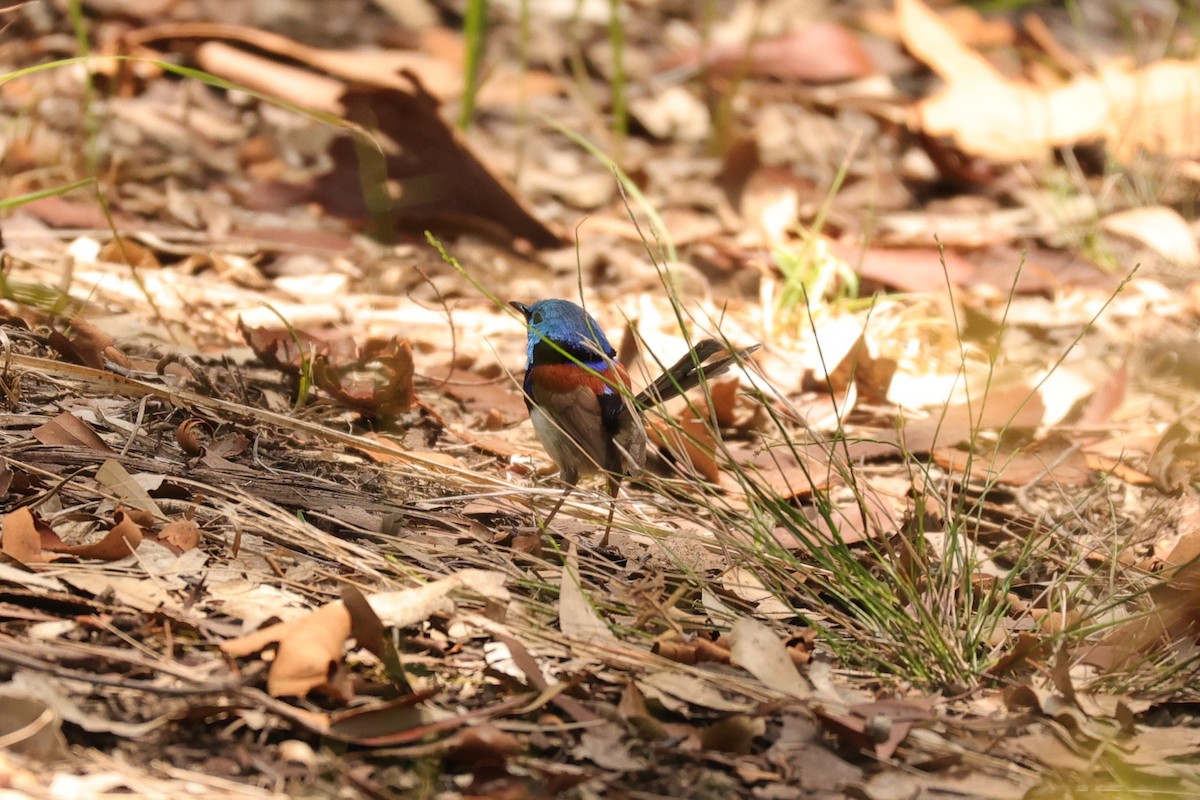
[[608, 747], [731, 409], [61, 212], [1176, 611], [1010, 408], [121, 540], [734, 734], [1161, 228], [181, 535], [1107, 398], [692, 690], [310, 652], [1053, 460], [759, 651], [410, 606], [1153, 109], [379, 381], [131, 493], [87, 345], [871, 376], [634, 711], [22, 536], [880, 726], [310, 649], [1099, 462], [576, 616], [792, 473], [289, 350], [68, 430], [1048, 749], [909, 269], [1175, 463], [362, 65], [482, 745], [691, 442], [872, 515], [1184, 562], [227, 446], [30, 729], [130, 253], [968, 25], [820, 52], [439, 178], [1152, 746]]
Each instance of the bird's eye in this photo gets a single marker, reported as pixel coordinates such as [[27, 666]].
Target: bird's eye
[[535, 318]]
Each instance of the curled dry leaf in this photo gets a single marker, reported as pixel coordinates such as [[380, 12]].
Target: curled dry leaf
[[379, 381], [801, 646], [28, 539], [376, 378], [695, 651], [187, 435], [730, 409], [1175, 463], [310, 649], [121, 540], [290, 350], [870, 375]]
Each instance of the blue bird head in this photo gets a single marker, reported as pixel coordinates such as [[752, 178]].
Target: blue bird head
[[569, 327]]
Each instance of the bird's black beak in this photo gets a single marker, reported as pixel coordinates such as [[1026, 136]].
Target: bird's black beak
[[524, 309]]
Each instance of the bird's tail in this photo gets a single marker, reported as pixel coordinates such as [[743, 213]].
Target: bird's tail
[[689, 371]]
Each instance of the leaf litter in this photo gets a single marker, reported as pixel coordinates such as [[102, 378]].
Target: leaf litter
[[222, 531]]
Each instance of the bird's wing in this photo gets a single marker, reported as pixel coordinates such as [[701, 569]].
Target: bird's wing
[[572, 429]]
